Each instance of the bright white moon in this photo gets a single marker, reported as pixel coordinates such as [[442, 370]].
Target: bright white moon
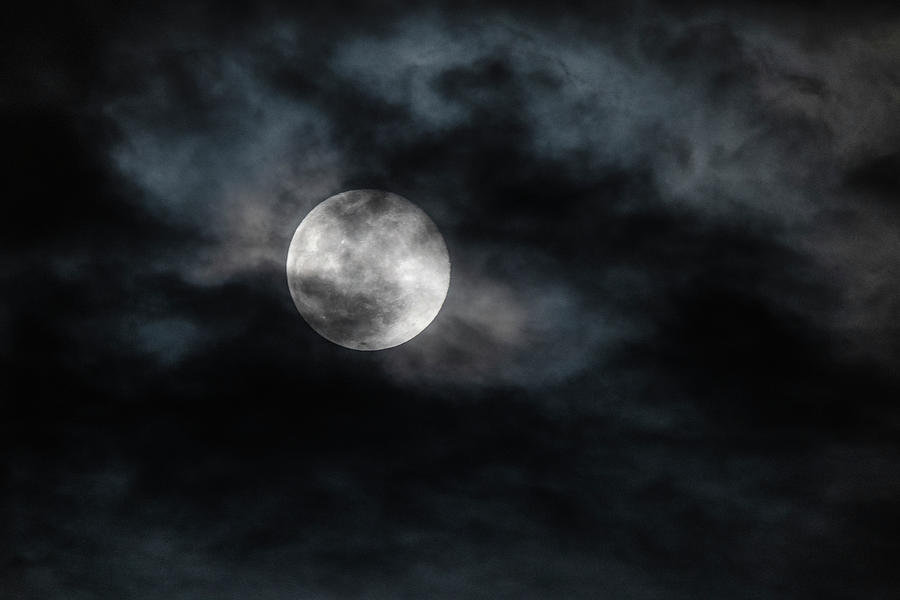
[[368, 269]]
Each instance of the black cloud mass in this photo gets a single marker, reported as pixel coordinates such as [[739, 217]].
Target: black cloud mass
[[668, 366]]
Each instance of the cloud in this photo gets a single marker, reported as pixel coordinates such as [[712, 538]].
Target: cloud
[[505, 331], [710, 116], [663, 369], [213, 149]]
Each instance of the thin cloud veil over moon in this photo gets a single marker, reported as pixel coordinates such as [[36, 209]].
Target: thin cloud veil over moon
[[368, 269]]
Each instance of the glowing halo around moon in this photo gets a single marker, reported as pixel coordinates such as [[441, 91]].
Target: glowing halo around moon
[[368, 269]]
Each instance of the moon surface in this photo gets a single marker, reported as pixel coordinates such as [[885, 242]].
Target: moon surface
[[368, 269]]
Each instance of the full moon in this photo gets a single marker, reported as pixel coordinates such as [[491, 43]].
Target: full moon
[[368, 269]]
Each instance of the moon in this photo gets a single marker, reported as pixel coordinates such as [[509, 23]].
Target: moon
[[368, 269]]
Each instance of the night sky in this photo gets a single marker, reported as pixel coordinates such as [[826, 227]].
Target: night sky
[[668, 366]]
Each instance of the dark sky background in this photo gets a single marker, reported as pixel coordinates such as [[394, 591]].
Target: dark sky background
[[668, 366]]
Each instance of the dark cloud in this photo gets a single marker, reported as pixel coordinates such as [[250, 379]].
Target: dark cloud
[[666, 366]]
